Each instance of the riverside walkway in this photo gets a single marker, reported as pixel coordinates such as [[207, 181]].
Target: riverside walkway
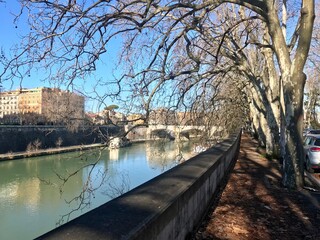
[[254, 205], [49, 151]]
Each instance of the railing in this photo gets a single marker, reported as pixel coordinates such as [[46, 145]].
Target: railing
[[167, 207]]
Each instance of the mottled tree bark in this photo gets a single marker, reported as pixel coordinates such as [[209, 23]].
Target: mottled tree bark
[[293, 81]]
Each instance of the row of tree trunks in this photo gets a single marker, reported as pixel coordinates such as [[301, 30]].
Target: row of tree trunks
[[280, 112]]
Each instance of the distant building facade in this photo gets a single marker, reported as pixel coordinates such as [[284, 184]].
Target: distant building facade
[[162, 116], [135, 119], [9, 103], [49, 105]]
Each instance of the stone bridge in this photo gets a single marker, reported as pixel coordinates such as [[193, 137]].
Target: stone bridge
[[171, 132]]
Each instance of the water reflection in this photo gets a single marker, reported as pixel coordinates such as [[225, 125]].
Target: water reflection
[[114, 154], [164, 155], [37, 193]]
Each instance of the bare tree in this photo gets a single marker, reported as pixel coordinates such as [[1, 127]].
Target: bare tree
[[312, 86], [255, 64], [166, 46], [63, 107]]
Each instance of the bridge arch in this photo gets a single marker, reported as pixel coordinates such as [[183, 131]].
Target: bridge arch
[[175, 132], [162, 134], [191, 133]]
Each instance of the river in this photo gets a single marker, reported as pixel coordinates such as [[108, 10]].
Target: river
[[38, 194]]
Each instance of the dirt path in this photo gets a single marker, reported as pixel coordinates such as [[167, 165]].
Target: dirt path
[[253, 204]]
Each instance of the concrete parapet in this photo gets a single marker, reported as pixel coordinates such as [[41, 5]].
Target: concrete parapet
[[166, 207]]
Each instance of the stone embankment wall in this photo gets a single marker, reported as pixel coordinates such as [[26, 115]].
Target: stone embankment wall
[[167, 207], [17, 138]]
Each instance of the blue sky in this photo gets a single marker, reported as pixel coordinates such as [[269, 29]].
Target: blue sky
[[10, 35]]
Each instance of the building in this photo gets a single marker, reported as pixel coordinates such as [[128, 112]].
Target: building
[[47, 105], [162, 116], [30, 100], [135, 119], [9, 103], [117, 117], [94, 119], [62, 107]]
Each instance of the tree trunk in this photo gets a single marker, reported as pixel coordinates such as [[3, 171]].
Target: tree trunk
[[273, 111], [293, 153], [293, 81], [273, 141], [258, 119]]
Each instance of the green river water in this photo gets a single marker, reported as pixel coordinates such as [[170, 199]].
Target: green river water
[[38, 194]]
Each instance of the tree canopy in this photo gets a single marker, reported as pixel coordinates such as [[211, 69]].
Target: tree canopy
[[204, 56]]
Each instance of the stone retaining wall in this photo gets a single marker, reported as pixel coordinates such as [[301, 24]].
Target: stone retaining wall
[[166, 207], [17, 138]]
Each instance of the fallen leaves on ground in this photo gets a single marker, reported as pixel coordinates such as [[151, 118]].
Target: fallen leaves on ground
[[254, 205]]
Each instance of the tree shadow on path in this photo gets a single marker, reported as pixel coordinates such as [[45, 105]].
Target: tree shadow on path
[[254, 205]]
